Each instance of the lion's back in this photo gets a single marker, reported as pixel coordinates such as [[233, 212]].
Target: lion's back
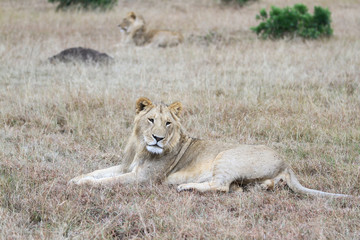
[[164, 38]]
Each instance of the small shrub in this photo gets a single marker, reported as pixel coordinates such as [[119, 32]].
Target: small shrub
[[238, 2], [294, 21], [84, 4]]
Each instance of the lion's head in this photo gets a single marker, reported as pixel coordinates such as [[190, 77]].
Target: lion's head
[[131, 23], [157, 126]]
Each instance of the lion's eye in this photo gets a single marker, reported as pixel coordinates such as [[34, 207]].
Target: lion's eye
[[151, 120], [168, 123]]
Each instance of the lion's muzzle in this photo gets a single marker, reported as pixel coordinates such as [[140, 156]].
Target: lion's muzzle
[[156, 144], [123, 29], [154, 149]]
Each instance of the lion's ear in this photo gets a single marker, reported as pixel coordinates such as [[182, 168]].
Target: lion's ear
[[132, 15], [176, 108], [142, 103]]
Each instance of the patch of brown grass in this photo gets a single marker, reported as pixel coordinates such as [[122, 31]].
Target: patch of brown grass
[[57, 121]]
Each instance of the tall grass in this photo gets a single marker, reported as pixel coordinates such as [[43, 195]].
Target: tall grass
[[57, 121]]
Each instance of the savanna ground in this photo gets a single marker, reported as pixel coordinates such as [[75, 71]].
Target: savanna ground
[[58, 121]]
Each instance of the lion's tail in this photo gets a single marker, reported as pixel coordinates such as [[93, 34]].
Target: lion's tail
[[294, 184]]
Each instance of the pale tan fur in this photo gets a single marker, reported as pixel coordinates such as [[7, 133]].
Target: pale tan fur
[[160, 150], [134, 31]]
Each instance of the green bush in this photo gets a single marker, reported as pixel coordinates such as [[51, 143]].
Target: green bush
[[84, 4], [294, 21], [238, 2]]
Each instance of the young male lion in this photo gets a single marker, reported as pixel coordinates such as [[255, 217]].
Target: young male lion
[[134, 29], [160, 149]]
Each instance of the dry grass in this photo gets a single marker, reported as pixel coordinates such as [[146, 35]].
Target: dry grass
[[56, 121]]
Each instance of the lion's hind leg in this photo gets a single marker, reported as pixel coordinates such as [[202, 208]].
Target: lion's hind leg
[[204, 187]]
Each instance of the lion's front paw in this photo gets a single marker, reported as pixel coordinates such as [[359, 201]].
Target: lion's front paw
[[73, 181], [183, 187], [81, 180]]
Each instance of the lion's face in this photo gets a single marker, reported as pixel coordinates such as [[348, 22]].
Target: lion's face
[[157, 125], [130, 22]]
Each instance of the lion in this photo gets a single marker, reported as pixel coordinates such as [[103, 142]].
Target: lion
[[160, 150], [134, 29]]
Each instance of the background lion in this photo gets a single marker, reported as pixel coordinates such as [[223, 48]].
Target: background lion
[[160, 149], [134, 29]]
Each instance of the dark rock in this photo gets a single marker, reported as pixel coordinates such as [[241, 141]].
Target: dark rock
[[79, 54]]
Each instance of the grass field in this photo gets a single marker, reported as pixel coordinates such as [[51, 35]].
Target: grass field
[[301, 98]]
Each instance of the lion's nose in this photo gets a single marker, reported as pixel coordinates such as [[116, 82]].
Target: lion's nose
[[158, 139]]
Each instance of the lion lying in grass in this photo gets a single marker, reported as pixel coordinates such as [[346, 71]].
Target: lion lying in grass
[[134, 29], [160, 150]]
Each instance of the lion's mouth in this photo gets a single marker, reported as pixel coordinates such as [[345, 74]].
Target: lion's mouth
[[154, 149], [122, 29]]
